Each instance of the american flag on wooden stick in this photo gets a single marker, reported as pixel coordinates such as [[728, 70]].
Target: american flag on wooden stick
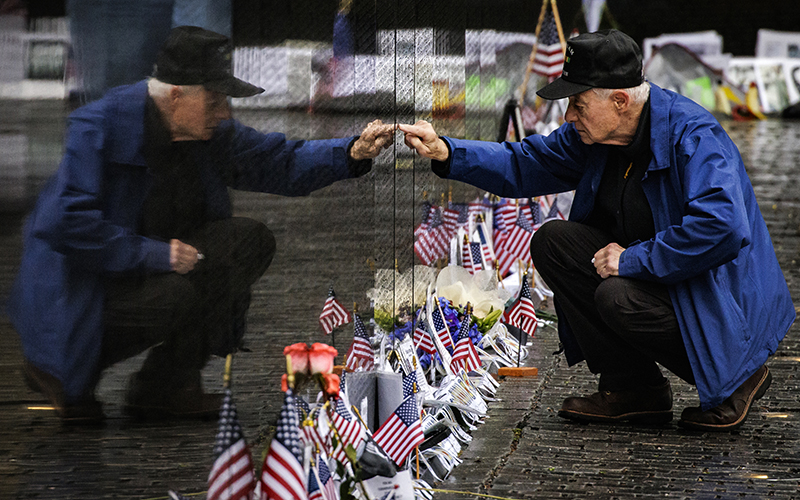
[[231, 476], [349, 430], [402, 432], [465, 355], [282, 475], [333, 313], [422, 337], [360, 354], [522, 314], [549, 57]]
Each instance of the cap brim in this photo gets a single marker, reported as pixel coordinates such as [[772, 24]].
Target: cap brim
[[560, 88], [233, 87]]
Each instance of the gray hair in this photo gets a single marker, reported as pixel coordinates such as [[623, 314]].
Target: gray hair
[[158, 89], [638, 94]]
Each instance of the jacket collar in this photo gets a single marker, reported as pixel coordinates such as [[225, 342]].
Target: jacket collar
[[660, 107], [125, 114]]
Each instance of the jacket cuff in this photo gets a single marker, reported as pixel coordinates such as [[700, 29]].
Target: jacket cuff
[[442, 168], [157, 253], [357, 168]]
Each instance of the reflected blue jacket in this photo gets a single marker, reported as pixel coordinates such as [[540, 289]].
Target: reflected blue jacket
[[711, 246], [85, 221]]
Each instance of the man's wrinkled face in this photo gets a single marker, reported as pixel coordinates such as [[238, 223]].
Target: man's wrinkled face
[[196, 112], [596, 119]]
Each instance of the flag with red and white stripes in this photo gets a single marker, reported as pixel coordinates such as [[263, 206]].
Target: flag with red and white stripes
[[402, 432], [422, 337], [516, 245], [333, 313], [282, 475], [360, 355], [231, 476], [465, 355], [549, 57], [349, 430], [523, 314], [440, 325], [325, 488]]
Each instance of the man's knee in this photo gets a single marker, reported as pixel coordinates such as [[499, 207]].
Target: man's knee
[[541, 242], [612, 300], [256, 237]]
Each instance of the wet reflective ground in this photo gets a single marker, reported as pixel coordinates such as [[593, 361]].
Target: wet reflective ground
[[339, 235]]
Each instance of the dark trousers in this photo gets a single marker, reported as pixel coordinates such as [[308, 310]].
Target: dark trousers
[[191, 316], [623, 326]]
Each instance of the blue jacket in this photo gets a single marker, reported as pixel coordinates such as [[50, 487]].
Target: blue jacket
[[85, 221], [711, 246]]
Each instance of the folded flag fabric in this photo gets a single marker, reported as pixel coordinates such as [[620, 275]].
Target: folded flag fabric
[[231, 476], [401, 432], [333, 313], [282, 475]]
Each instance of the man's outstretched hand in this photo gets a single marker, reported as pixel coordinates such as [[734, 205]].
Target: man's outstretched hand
[[375, 137], [422, 138]]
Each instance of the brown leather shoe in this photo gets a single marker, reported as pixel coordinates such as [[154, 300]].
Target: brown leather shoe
[[732, 413], [86, 411], [152, 400], [644, 406]]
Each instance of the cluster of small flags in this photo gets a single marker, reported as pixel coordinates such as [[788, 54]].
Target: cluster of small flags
[[333, 429], [485, 234]]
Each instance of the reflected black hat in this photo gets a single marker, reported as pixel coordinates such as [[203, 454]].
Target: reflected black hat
[[195, 56], [607, 59]]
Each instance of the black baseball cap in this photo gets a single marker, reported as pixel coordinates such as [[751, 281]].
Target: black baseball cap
[[607, 59], [196, 56]]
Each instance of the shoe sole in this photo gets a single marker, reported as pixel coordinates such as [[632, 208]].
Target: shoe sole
[[92, 418], [761, 389], [644, 417]]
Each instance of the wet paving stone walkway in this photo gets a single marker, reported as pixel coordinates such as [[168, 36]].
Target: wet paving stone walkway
[[523, 450]]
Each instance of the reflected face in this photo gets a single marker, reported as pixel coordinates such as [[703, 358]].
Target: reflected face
[[196, 112], [596, 119]]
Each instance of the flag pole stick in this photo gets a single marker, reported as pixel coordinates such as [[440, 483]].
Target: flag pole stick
[[524, 333], [226, 377]]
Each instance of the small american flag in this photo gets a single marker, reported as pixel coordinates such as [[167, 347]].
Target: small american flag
[[516, 245], [310, 431], [231, 476], [466, 256], [402, 432], [328, 490], [349, 429], [422, 337], [536, 213], [433, 242], [477, 257], [522, 314], [410, 384], [360, 354], [282, 475], [440, 326], [486, 250], [465, 355], [333, 313], [549, 57]]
